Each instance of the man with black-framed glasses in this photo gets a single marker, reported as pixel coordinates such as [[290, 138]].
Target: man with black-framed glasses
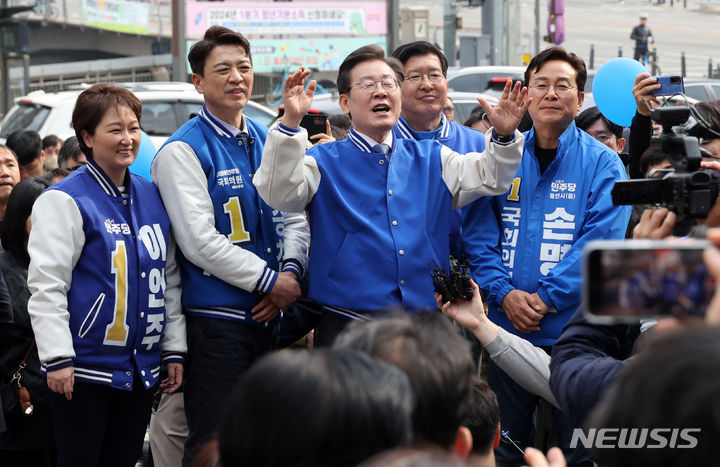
[[525, 246], [378, 205]]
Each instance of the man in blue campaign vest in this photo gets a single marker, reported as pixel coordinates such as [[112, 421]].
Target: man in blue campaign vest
[[379, 205], [241, 261], [526, 245], [424, 93]]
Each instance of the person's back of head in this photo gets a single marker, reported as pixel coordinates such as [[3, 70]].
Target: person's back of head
[[436, 359], [13, 232], [482, 418], [329, 408], [27, 146], [669, 394], [410, 457], [709, 137], [341, 121]]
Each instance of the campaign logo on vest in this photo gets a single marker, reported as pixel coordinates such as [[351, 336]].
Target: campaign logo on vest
[[231, 178]]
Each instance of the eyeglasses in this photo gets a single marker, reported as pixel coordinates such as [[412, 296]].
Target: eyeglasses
[[368, 86], [416, 78], [605, 138], [448, 109], [561, 89]]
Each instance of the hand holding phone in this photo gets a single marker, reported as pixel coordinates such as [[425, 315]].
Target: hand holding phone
[[669, 85], [629, 280], [314, 123]]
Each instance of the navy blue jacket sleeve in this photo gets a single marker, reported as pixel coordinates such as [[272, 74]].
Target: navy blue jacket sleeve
[[585, 359]]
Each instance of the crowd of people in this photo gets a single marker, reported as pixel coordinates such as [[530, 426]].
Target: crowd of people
[[185, 297]]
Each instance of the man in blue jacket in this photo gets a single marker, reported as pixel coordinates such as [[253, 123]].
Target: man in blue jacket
[[378, 205], [424, 94], [526, 246], [240, 260]]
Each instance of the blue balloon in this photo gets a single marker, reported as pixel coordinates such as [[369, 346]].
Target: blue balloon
[[612, 89], [144, 159]]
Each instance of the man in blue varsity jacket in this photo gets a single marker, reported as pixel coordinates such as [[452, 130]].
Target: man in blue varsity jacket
[[379, 205], [240, 259], [424, 93], [526, 245]]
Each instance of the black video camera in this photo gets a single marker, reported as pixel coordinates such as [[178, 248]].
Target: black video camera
[[688, 190]]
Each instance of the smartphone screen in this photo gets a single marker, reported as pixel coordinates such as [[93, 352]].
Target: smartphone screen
[[314, 123], [626, 281]]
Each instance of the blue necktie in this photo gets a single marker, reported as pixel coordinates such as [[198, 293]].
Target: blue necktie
[[381, 148]]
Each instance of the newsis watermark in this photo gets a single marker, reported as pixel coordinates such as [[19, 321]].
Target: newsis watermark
[[635, 438]]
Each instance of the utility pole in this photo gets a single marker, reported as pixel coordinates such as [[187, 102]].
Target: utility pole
[[449, 30], [495, 23], [179, 47], [393, 25]]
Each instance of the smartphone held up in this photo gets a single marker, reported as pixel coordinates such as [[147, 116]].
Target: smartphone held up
[[630, 280]]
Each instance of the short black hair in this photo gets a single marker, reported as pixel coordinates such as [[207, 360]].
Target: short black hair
[[215, 36], [50, 140], [710, 112], [26, 144], [558, 53], [473, 119], [69, 149], [436, 359], [589, 116], [341, 121], [321, 408], [653, 155], [482, 417], [19, 206], [418, 49], [672, 384], [366, 54], [50, 176]]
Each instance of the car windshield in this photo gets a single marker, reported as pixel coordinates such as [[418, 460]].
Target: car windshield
[[158, 118], [24, 116]]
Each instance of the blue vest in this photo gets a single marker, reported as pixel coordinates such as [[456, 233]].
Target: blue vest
[[377, 224], [229, 164], [116, 298]]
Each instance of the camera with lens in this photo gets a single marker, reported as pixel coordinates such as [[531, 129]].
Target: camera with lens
[[688, 190]]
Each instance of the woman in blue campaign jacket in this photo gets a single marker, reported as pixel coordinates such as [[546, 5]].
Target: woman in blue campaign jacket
[[105, 290]]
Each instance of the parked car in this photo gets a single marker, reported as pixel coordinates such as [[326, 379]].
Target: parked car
[[465, 102], [166, 106], [480, 78], [702, 89]]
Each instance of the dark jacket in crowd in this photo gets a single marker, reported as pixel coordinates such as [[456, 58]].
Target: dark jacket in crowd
[[585, 359], [34, 432]]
